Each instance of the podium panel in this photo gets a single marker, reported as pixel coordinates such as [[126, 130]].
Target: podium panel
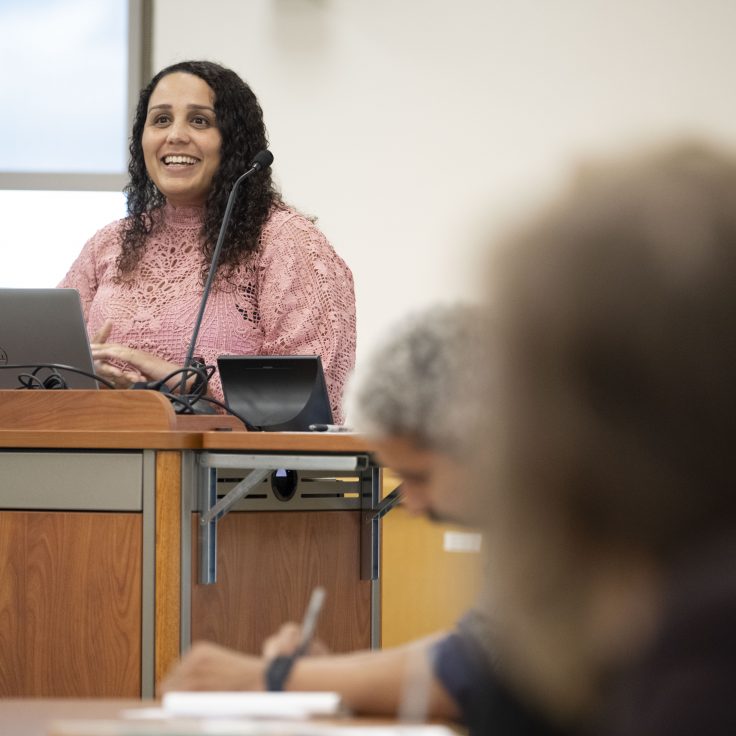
[[268, 563], [71, 595]]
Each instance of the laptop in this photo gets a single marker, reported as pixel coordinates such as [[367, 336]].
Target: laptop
[[280, 393], [43, 326]]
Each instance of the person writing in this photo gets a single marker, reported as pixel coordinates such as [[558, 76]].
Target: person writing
[[412, 398], [280, 287]]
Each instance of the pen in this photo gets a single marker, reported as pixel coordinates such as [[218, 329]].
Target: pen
[[329, 428], [311, 615], [279, 668]]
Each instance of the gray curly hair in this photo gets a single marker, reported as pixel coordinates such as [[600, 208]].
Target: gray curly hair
[[422, 382]]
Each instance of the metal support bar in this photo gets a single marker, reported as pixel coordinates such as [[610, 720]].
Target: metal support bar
[[260, 466], [393, 499], [240, 491], [291, 462], [370, 545], [207, 543], [370, 528]]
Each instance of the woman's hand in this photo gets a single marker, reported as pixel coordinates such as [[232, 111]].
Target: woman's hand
[[140, 366]]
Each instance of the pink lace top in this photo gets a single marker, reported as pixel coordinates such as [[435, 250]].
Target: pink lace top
[[294, 296]]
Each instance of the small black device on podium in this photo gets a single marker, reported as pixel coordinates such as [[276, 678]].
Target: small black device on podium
[[276, 393]]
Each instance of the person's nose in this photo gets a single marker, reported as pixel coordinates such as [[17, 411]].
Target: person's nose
[[178, 133]]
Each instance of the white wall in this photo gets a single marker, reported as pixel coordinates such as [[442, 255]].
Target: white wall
[[411, 126]]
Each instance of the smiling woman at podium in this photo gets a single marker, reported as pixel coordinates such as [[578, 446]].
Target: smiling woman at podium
[[279, 288]]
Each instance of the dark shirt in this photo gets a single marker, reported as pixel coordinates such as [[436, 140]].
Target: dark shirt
[[686, 682], [464, 665]]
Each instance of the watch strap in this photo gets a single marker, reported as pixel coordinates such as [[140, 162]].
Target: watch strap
[[277, 673]]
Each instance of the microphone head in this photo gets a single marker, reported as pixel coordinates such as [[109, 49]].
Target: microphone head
[[262, 160]]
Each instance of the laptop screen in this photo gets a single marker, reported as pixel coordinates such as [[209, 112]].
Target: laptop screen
[[43, 326], [276, 392]]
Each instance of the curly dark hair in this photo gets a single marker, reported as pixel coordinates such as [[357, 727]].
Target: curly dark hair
[[240, 122]]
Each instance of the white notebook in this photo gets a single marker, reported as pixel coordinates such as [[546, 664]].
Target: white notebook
[[252, 704]]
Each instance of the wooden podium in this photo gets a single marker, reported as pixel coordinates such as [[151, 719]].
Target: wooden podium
[[101, 499]]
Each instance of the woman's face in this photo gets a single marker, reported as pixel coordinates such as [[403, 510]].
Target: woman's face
[[181, 141]]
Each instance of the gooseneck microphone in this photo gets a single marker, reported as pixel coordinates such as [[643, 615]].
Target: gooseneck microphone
[[262, 160]]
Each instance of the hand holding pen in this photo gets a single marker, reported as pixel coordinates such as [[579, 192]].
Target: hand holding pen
[[279, 668]]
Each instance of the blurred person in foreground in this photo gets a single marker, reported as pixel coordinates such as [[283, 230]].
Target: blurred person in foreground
[[611, 494], [413, 399]]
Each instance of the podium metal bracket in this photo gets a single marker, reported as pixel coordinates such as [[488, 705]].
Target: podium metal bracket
[[260, 467], [387, 503]]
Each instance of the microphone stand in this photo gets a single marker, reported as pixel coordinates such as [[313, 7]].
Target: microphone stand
[[262, 160]]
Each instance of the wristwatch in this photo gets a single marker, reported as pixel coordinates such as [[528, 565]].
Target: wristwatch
[[277, 673]]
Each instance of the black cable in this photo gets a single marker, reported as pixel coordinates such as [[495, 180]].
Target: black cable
[[202, 375], [56, 367], [250, 427], [186, 401], [27, 380]]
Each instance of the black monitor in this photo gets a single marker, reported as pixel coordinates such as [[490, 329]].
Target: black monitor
[[277, 393]]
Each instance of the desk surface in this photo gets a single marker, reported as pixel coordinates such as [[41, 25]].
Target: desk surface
[[31, 716], [99, 440], [142, 420], [35, 716], [323, 442], [306, 442]]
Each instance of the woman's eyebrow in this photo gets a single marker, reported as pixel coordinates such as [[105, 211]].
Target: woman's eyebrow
[[190, 107]]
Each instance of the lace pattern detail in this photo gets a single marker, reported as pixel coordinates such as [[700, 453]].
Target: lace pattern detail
[[294, 296]]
